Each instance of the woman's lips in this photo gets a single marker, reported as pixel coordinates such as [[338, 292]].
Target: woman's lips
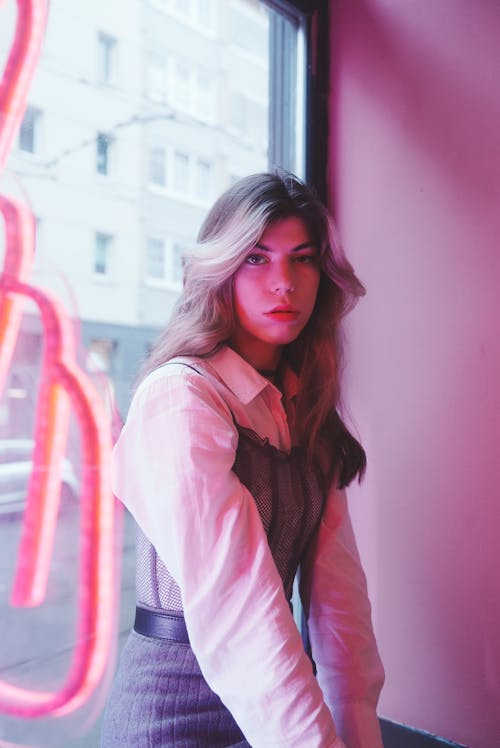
[[283, 316]]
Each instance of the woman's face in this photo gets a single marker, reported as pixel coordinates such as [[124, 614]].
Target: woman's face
[[274, 292]]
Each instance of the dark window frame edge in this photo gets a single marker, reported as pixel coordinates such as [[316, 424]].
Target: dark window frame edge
[[315, 17]]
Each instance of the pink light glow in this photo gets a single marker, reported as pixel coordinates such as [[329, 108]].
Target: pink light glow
[[21, 64], [63, 385]]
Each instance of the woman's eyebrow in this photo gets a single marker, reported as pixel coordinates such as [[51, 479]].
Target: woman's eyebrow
[[304, 245]]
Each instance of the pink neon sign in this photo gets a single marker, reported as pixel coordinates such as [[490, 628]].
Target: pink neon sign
[[63, 387]]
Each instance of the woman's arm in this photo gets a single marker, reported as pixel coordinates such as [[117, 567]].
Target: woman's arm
[[335, 598], [173, 470]]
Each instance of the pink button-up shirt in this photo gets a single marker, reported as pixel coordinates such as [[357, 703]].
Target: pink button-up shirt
[[173, 471]]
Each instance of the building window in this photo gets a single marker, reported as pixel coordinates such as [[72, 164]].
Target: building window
[[238, 112], [203, 179], [177, 264], [205, 97], [106, 53], [164, 264], [196, 13], [156, 80], [102, 253], [181, 172], [249, 30], [203, 10], [158, 167], [103, 153], [29, 132], [183, 84], [248, 118], [193, 90], [155, 260], [182, 7]]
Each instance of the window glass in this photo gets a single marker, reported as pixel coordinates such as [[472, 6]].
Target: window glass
[[157, 166], [181, 172], [203, 179], [105, 57], [182, 90], [155, 260], [29, 132], [204, 12], [140, 114], [156, 79], [205, 102], [249, 24], [183, 7], [103, 150], [177, 264], [103, 245]]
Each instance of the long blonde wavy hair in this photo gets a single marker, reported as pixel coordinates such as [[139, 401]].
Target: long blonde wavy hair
[[203, 318]]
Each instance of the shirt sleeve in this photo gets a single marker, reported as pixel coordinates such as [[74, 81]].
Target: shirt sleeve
[[173, 470], [335, 598]]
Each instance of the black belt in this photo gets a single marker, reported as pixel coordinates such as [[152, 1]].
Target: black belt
[[161, 624]]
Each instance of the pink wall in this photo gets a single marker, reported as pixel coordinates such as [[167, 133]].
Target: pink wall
[[415, 175]]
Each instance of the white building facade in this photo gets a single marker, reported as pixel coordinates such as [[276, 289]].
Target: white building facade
[[140, 114]]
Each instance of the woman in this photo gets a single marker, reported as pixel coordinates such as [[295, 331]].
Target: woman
[[232, 461]]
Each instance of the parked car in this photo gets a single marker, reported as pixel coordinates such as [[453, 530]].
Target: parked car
[[16, 464]]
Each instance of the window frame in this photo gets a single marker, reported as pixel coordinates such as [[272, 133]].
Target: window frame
[[169, 244], [109, 244], [106, 52], [105, 156], [36, 130], [313, 15], [151, 183]]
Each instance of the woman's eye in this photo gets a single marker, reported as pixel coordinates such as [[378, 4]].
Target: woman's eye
[[255, 260], [306, 259]]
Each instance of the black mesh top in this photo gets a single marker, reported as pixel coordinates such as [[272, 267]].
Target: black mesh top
[[290, 501]]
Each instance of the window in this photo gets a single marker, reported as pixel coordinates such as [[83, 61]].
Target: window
[[155, 260], [181, 172], [205, 97], [106, 53], [203, 10], [194, 90], [156, 80], [102, 253], [182, 91], [29, 132], [237, 114], [130, 136], [182, 7], [158, 167], [103, 153], [249, 30], [177, 270], [163, 265], [197, 13], [203, 179]]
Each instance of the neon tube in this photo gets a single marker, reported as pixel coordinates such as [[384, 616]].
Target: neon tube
[[63, 386]]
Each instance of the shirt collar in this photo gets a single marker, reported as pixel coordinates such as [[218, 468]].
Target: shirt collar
[[245, 381]]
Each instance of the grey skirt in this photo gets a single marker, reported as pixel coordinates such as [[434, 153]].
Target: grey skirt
[[159, 699]]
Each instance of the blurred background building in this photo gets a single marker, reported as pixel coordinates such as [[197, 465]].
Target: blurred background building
[[140, 114]]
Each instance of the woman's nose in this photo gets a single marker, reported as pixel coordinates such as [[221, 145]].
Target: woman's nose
[[283, 279]]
